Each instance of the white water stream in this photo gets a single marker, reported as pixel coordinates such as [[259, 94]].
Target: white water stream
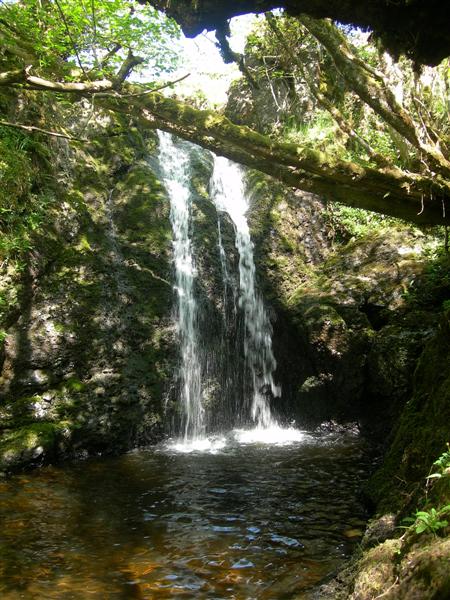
[[174, 163], [227, 189], [258, 361]]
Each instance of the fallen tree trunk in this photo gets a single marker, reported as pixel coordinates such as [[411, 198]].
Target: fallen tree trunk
[[414, 197]]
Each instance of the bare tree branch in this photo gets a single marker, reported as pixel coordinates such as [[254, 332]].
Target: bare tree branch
[[114, 50], [128, 65], [31, 128], [145, 92], [89, 87]]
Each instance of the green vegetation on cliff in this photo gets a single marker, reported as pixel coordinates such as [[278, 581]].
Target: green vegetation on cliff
[[362, 300], [86, 294]]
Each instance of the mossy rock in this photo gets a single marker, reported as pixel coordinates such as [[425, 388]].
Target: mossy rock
[[32, 444], [423, 428], [376, 570], [95, 318]]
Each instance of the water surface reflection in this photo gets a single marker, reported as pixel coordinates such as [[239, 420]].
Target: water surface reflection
[[247, 520]]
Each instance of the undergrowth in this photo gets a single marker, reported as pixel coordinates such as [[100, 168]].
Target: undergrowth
[[433, 513]]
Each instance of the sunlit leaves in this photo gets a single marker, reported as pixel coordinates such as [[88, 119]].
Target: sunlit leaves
[[97, 33]]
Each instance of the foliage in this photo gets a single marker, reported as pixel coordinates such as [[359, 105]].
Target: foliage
[[89, 34], [319, 133], [15, 169], [432, 520], [441, 465], [429, 521], [22, 209], [433, 288], [283, 50], [348, 223]]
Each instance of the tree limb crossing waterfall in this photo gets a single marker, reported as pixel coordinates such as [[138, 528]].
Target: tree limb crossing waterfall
[[258, 362]]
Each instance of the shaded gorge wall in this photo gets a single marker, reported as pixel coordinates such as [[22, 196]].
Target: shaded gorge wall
[[90, 350], [90, 361]]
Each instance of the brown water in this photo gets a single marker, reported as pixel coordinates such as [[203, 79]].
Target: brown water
[[246, 521]]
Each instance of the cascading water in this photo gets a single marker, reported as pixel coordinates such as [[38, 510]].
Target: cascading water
[[167, 523], [243, 382], [228, 193], [224, 269], [174, 163]]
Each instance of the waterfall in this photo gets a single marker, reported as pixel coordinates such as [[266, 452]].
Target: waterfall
[[227, 189], [174, 161], [245, 384], [224, 268]]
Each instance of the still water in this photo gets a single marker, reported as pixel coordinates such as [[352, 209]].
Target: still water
[[239, 519]]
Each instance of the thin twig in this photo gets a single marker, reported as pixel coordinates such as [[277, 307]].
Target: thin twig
[[94, 22], [66, 25], [153, 90], [161, 87], [94, 31], [422, 205], [83, 129], [32, 128], [388, 590]]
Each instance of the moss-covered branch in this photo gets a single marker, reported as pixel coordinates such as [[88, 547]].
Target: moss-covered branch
[[417, 198], [343, 123], [391, 191]]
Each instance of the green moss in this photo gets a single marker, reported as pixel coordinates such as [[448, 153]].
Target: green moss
[[83, 244], [90, 262], [142, 210], [377, 569], [422, 431], [34, 442], [73, 385]]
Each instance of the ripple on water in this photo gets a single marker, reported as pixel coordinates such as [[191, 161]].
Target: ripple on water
[[252, 519]]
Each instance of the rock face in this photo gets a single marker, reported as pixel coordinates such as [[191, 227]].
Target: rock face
[[421, 432], [362, 333], [89, 364], [86, 363], [346, 343]]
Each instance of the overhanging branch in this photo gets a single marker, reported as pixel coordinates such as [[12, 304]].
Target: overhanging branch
[[23, 76], [417, 198], [388, 191]]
